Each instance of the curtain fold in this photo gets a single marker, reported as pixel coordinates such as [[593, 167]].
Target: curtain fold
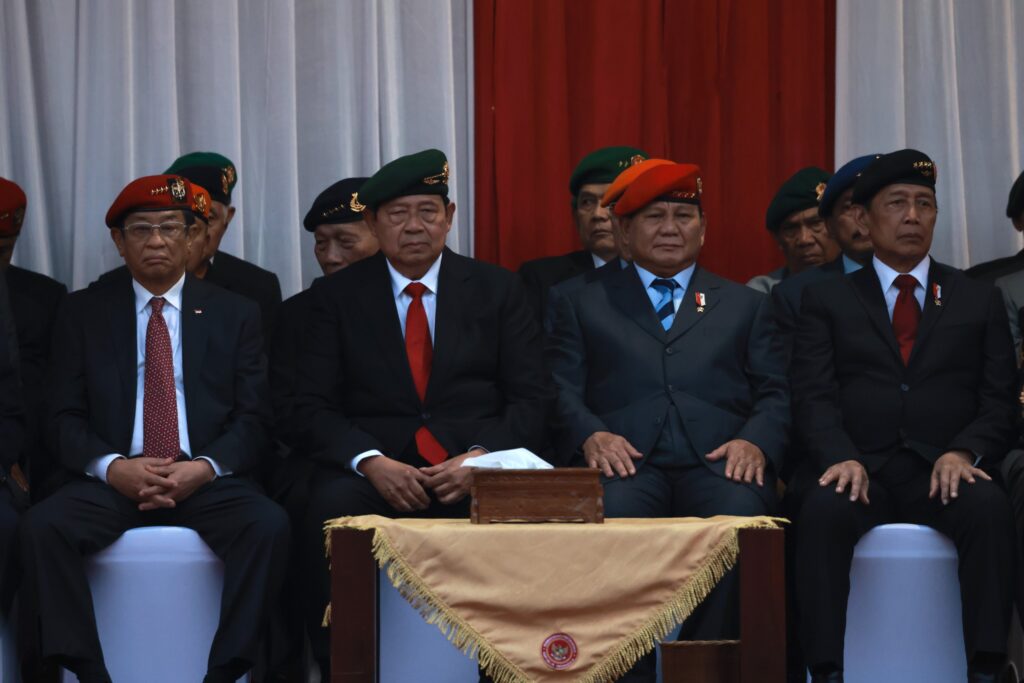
[[298, 93], [744, 89]]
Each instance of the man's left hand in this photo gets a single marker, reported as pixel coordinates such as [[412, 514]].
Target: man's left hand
[[449, 480], [949, 470], [744, 462], [189, 475]]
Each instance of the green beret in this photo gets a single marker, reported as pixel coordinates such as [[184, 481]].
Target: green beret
[[213, 172], [903, 167], [424, 172], [603, 166], [802, 191], [1015, 204]]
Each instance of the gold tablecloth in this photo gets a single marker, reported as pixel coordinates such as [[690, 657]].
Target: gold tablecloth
[[590, 599]]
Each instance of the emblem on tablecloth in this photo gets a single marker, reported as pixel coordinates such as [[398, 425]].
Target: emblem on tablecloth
[[559, 651]]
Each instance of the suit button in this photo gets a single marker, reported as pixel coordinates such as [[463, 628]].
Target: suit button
[[670, 350], [670, 388], [425, 416], [904, 387]]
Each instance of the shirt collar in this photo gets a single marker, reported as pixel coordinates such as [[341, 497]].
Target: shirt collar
[[887, 276], [399, 282], [598, 261], [682, 277], [172, 296], [850, 266]]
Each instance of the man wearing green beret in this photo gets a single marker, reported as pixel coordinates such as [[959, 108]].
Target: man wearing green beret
[[415, 359], [796, 225], [587, 185]]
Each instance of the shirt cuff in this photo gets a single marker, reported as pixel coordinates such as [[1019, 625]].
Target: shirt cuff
[[217, 470], [361, 457], [478, 448], [97, 469]]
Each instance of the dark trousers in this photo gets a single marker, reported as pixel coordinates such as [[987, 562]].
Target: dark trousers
[[693, 491], [243, 527], [339, 493], [1012, 474], [8, 551], [978, 522]]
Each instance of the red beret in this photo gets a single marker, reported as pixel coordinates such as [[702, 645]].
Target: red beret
[[12, 208], [626, 178], [674, 183], [152, 193], [201, 202]]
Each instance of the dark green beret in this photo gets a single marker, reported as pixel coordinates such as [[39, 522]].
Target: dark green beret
[[603, 166], [1015, 204], [213, 172], [907, 166], [424, 172], [802, 191], [339, 203]]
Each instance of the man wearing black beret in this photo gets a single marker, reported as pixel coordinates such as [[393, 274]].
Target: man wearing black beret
[[587, 185], [904, 388], [991, 271], [415, 359]]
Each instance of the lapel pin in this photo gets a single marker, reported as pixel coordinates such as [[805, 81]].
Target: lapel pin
[[197, 311], [701, 302], [937, 293]]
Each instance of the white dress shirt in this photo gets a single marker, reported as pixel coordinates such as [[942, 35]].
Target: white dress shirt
[[682, 278], [598, 261], [172, 316], [850, 266], [887, 278]]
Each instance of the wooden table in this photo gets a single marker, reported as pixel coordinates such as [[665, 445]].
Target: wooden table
[[760, 654]]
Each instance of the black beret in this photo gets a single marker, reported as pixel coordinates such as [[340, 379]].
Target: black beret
[[1015, 204], [906, 166], [339, 203]]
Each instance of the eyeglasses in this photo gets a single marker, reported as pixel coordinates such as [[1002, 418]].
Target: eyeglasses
[[140, 232]]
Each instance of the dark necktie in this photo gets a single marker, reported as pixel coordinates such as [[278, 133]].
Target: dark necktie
[[420, 351], [906, 314], [665, 308], [159, 406]]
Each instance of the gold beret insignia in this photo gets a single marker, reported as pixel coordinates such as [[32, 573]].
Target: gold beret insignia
[[441, 177], [819, 191], [177, 186], [355, 205], [201, 205], [227, 177]]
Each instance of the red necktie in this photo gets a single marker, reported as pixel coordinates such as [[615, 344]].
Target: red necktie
[[906, 314], [159, 406], [421, 354]]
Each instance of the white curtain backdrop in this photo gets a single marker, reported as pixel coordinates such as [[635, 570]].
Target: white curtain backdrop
[[942, 76], [298, 93]]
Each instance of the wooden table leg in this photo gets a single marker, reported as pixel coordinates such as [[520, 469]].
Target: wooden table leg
[[762, 606], [354, 628]]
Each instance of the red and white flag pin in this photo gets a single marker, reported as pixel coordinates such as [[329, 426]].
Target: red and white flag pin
[[701, 301], [937, 293]]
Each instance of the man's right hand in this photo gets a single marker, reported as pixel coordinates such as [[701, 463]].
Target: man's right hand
[[848, 473], [611, 454], [131, 479], [400, 484]]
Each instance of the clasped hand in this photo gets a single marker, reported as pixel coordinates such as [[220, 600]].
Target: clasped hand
[[405, 487], [155, 483]]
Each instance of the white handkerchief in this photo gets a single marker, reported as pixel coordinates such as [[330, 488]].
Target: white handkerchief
[[512, 459]]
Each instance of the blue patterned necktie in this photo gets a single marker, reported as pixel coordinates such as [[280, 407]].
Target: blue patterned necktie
[[665, 307]]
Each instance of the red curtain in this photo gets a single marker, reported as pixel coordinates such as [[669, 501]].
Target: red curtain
[[744, 88]]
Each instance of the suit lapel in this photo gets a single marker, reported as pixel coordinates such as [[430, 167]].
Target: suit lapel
[[626, 292], [689, 314], [937, 275], [377, 302], [869, 291], [453, 295], [195, 324], [121, 319]]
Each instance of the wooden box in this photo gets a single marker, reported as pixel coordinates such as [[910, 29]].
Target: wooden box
[[558, 495]]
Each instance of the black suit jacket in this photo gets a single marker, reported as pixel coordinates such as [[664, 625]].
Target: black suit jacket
[[617, 370], [990, 271], [539, 275], [12, 414], [786, 299], [355, 389], [94, 379], [286, 351], [854, 399]]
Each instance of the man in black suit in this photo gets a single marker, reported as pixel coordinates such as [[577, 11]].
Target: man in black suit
[[670, 381], [34, 299], [158, 404], [990, 271], [416, 359], [904, 385], [588, 183], [12, 434]]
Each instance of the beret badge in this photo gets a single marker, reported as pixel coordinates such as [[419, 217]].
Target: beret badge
[[201, 205], [177, 187], [819, 190], [441, 177], [927, 169], [227, 178], [356, 206]]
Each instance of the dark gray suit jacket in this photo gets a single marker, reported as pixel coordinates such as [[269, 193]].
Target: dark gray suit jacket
[[617, 370]]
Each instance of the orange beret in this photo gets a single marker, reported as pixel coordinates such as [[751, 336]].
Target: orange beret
[[626, 178], [152, 193], [12, 208], [673, 183], [200, 202]]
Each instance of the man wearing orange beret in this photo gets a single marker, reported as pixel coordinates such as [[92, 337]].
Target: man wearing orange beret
[[159, 403], [670, 381]]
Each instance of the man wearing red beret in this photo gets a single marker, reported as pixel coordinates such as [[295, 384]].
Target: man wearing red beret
[[159, 404], [670, 381]]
